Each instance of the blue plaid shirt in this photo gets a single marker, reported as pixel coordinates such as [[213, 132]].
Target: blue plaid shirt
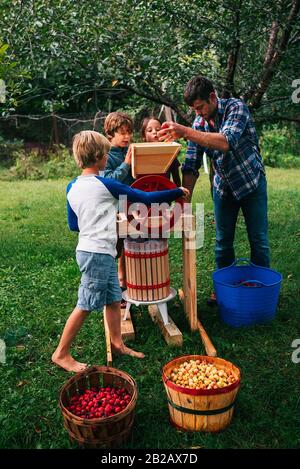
[[239, 168]]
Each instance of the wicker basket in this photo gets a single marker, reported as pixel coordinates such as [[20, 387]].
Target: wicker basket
[[208, 410], [107, 432]]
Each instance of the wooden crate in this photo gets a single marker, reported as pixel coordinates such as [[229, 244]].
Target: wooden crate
[[152, 158]]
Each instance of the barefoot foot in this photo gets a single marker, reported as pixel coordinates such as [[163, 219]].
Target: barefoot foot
[[123, 350], [68, 363]]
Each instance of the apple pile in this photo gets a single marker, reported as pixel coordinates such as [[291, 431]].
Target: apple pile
[[198, 374], [244, 283], [99, 403]]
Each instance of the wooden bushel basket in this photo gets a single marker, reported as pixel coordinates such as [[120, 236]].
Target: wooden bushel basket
[[107, 432], [208, 410]]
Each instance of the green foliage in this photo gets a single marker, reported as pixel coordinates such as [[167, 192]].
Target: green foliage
[[8, 150], [11, 78], [280, 146], [150, 49], [60, 164], [27, 166], [33, 166]]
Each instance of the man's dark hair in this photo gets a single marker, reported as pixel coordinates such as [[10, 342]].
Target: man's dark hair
[[198, 88]]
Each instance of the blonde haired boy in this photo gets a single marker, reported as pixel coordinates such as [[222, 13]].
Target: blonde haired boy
[[92, 203]]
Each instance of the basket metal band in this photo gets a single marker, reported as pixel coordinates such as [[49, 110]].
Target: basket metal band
[[146, 255], [148, 287], [200, 412]]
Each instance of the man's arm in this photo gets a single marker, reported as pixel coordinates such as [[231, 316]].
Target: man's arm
[[236, 120], [212, 140]]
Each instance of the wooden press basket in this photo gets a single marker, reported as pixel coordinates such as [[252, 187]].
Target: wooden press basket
[[147, 269], [208, 410], [107, 432]]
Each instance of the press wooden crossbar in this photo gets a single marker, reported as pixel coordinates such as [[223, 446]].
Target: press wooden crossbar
[[184, 224], [107, 340]]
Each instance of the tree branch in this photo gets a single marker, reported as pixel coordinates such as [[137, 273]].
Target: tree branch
[[228, 89], [160, 100], [189, 24], [270, 67], [272, 43], [268, 56], [289, 119], [277, 119], [295, 38]]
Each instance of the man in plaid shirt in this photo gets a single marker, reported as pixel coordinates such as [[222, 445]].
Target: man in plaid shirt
[[224, 130]]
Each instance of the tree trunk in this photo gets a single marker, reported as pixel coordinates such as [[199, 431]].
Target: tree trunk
[[274, 56], [272, 43], [229, 89]]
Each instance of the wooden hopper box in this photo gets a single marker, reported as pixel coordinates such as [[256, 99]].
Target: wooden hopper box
[[153, 158]]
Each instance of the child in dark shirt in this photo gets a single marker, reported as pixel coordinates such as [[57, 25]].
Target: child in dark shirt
[[118, 128]]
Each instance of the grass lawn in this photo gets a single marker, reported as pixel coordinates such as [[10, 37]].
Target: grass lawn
[[39, 281]]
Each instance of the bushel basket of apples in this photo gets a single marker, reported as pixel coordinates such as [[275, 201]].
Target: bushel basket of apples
[[201, 392], [98, 406]]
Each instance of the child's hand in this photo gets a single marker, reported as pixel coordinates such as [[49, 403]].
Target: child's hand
[[128, 156], [186, 192]]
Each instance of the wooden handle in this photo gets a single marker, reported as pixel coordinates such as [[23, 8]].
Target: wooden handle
[[209, 348], [107, 339]]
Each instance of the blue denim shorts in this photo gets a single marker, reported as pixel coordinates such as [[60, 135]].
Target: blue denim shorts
[[99, 284]]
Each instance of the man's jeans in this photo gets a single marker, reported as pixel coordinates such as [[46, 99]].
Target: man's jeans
[[254, 208]]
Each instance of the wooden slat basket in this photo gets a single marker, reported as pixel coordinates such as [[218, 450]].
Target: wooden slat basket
[[147, 269], [208, 410], [110, 432]]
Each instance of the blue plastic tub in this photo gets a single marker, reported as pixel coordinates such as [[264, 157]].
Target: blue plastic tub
[[246, 294]]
